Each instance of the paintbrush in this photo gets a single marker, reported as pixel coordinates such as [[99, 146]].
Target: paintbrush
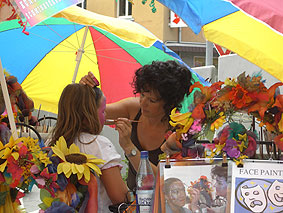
[[113, 121]]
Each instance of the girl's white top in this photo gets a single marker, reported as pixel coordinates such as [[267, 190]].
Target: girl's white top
[[101, 148]]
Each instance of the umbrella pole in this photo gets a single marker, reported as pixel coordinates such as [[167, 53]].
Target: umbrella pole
[[8, 103], [79, 55]]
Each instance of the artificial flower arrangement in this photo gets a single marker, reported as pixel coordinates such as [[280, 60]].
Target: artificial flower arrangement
[[65, 176], [17, 158], [69, 183], [236, 142], [215, 105]]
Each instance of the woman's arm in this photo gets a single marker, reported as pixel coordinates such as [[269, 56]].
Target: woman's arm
[[114, 185], [124, 128], [135, 160], [125, 108]]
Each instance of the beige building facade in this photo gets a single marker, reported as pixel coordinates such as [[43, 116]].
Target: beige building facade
[[190, 47]]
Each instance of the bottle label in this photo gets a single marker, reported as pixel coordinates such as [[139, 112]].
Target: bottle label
[[144, 200]]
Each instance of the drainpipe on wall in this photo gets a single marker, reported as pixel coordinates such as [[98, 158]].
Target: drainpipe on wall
[[179, 34], [208, 53]]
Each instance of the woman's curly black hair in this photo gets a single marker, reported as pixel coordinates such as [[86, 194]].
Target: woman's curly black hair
[[170, 79]]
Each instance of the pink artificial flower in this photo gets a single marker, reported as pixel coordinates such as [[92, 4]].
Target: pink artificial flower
[[34, 169], [47, 181], [196, 127]]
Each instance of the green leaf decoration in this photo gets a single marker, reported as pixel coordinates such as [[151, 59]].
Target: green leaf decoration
[[209, 135], [43, 206], [48, 201], [57, 199], [8, 180], [44, 193], [3, 196]]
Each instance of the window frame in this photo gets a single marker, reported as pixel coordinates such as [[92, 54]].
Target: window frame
[[127, 15]]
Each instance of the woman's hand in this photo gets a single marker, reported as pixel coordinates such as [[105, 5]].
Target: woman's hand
[[124, 127], [170, 146], [88, 80]]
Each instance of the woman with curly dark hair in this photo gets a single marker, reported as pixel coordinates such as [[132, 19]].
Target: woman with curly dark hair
[[162, 87]]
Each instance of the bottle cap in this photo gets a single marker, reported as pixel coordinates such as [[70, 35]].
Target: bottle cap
[[144, 154]]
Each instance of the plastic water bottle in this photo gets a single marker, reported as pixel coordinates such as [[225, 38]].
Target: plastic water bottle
[[145, 184]]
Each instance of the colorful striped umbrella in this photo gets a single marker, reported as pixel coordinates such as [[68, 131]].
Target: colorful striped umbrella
[[45, 60], [251, 28]]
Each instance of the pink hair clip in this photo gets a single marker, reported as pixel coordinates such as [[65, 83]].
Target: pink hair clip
[[95, 81]]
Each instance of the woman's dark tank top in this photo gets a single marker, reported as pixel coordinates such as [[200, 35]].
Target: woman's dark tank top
[[152, 155]]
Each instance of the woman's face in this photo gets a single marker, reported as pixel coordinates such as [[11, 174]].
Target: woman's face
[[101, 110], [177, 194], [151, 104]]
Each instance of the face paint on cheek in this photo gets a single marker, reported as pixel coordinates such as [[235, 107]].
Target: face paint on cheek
[[101, 111]]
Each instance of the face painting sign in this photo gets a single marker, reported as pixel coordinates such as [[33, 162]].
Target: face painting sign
[[257, 187]]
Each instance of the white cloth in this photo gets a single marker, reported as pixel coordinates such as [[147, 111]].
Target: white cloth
[[101, 148]]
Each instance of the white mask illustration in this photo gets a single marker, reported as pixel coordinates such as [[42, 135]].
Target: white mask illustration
[[275, 193], [254, 198]]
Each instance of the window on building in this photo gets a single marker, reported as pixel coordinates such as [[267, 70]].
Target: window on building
[[124, 9]]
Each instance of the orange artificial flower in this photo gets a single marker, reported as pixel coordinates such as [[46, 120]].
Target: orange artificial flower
[[264, 100], [239, 97], [198, 112], [208, 91], [278, 140], [279, 103]]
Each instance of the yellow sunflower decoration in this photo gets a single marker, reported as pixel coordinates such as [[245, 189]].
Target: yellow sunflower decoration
[[7, 150], [74, 161]]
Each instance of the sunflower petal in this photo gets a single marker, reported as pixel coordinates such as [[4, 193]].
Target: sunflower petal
[[80, 175], [68, 174], [60, 168], [86, 173], [62, 145], [15, 155], [3, 166], [66, 167], [74, 168], [96, 161], [58, 152], [74, 149], [94, 167], [80, 168]]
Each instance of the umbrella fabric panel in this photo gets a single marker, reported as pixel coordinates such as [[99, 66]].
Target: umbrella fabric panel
[[32, 47], [146, 55], [117, 65], [139, 53], [55, 71], [270, 12], [259, 44], [200, 12], [125, 29]]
